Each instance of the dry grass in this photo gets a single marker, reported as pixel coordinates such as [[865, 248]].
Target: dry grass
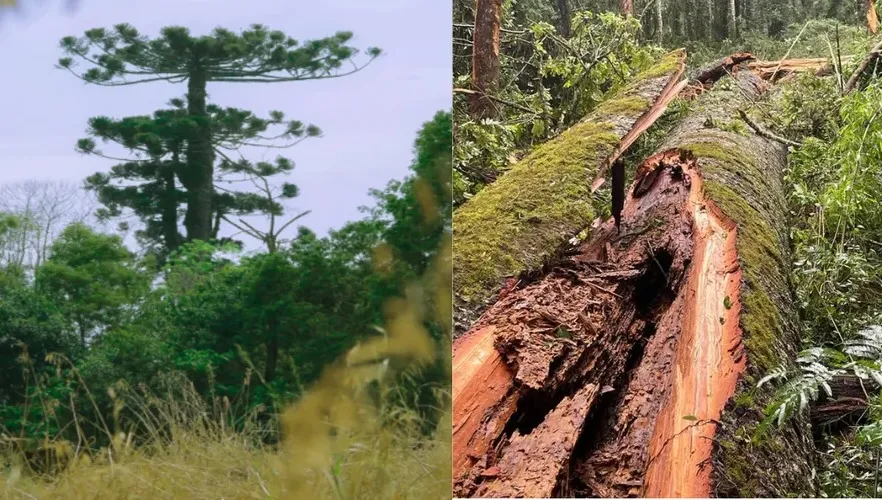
[[194, 454]]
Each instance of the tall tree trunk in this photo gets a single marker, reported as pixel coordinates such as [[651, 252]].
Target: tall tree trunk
[[733, 21], [683, 25], [200, 159], [659, 20], [630, 368], [272, 354], [563, 12], [485, 58], [518, 222], [628, 7], [170, 205]]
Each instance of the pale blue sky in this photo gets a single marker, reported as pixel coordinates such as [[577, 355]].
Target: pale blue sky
[[369, 119]]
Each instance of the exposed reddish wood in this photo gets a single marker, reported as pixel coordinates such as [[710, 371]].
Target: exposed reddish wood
[[628, 7], [673, 89], [533, 462], [590, 342], [659, 106], [708, 362], [481, 381], [872, 18], [485, 57]]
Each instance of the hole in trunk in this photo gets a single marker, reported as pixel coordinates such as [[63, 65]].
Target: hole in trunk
[[651, 288], [533, 406]]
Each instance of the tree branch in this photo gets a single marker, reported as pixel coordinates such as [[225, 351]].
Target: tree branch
[[497, 99], [760, 131]]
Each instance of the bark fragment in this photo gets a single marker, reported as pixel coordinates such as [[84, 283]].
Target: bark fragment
[[518, 223]]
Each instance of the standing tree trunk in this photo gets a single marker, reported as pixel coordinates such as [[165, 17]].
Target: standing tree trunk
[[733, 21], [272, 353], [170, 205], [563, 11], [485, 58], [199, 173], [710, 20], [515, 224], [630, 368], [872, 18], [628, 7], [659, 20]]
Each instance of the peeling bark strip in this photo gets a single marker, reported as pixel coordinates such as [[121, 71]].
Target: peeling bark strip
[[633, 364], [518, 222]]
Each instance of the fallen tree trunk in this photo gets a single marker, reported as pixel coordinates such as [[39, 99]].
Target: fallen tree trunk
[[776, 70], [863, 68], [630, 368], [517, 223], [847, 406], [711, 73]]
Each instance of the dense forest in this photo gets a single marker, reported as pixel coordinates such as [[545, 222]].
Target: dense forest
[[141, 354], [667, 257]]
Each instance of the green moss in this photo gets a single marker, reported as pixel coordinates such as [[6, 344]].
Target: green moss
[[519, 220], [738, 469], [762, 325], [627, 105], [667, 65], [719, 151], [745, 399], [761, 259]]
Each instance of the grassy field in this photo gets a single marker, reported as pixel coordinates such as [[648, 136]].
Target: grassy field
[[199, 457]]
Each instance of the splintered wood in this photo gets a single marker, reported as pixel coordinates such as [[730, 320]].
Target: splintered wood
[[773, 71], [606, 376]]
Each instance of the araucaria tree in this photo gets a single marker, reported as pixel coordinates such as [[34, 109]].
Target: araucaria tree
[[149, 182], [123, 56]]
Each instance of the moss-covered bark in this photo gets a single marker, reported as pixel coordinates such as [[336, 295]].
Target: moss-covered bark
[[743, 175], [518, 222]]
